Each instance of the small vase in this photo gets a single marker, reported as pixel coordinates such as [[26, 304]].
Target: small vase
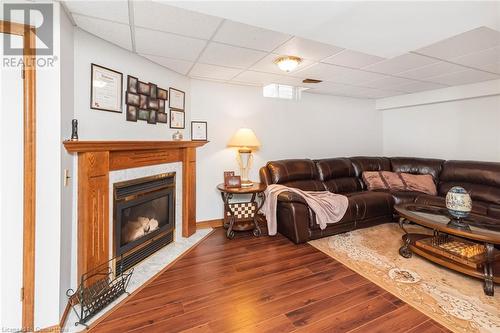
[[459, 205]]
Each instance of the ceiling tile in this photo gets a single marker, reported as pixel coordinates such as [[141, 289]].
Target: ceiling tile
[[213, 72], [400, 64], [308, 49], [464, 77], [468, 42], [179, 66], [481, 58], [116, 11], [494, 68], [115, 33], [230, 56], [159, 16], [267, 65], [249, 36], [266, 78], [438, 68], [417, 86], [352, 59], [339, 74], [389, 82], [167, 45]]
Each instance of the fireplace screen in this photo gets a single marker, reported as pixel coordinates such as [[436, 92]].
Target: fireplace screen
[[144, 216]]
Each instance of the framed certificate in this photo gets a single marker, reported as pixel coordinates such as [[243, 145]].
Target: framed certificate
[[199, 130], [106, 87], [176, 118], [177, 99]]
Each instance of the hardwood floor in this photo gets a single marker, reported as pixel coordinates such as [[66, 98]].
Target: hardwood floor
[[265, 284]]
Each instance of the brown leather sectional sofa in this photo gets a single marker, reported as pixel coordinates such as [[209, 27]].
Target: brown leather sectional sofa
[[366, 208]]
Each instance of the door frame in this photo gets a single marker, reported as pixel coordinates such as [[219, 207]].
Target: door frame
[[29, 183]]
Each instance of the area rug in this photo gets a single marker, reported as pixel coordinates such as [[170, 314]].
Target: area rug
[[454, 300]]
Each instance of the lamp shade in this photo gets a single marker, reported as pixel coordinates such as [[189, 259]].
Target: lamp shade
[[244, 137]]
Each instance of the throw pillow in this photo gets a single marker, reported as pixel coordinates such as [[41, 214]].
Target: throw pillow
[[395, 181], [420, 183]]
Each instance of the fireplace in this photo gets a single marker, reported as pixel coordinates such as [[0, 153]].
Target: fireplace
[[144, 217]]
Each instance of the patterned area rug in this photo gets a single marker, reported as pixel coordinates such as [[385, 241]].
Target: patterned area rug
[[452, 299]]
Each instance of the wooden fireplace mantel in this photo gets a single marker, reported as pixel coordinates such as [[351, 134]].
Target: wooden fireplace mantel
[[95, 161]]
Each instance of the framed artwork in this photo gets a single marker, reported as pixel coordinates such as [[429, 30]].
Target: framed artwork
[[143, 88], [133, 99], [106, 86], [161, 106], [132, 84], [161, 118], [176, 118], [199, 130], [143, 114], [143, 102], [132, 113], [152, 117], [162, 93], [177, 99], [152, 103], [152, 90]]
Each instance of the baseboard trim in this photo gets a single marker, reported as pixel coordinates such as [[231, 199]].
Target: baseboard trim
[[216, 223]]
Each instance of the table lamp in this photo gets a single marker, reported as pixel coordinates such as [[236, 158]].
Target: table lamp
[[245, 140]]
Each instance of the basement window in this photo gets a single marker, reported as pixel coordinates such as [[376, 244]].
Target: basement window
[[282, 91]]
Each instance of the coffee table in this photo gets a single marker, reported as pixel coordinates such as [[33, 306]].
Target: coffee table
[[469, 251]]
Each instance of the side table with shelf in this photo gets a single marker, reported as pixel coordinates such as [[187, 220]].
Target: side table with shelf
[[242, 216]]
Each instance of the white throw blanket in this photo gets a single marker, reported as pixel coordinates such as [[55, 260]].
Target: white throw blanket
[[328, 207]]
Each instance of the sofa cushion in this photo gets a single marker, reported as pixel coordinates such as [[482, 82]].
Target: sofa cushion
[[298, 173], [480, 179], [402, 197], [369, 204], [417, 166], [338, 175], [478, 207]]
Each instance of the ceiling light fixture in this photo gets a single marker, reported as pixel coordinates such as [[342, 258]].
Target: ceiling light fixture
[[287, 63]]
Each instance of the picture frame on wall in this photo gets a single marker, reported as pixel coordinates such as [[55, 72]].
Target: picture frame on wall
[[177, 99], [133, 99], [152, 90], [177, 119], [161, 105], [132, 82], [106, 89], [162, 93], [132, 113], [143, 114], [143, 88], [143, 102], [152, 117], [199, 131], [161, 118], [153, 104]]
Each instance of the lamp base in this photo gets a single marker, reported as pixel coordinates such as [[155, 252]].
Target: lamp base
[[246, 183]]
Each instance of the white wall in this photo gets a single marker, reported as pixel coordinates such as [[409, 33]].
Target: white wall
[[453, 123], [317, 126], [103, 125]]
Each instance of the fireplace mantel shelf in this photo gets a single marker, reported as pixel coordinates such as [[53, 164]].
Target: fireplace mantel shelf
[[96, 159], [92, 146]]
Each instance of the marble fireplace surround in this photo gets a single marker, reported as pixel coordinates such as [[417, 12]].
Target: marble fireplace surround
[[100, 164]]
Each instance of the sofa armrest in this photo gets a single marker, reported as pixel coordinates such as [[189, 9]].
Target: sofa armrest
[[293, 219], [291, 197]]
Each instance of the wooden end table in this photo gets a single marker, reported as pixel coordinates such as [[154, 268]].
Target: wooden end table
[[242, 216], [441, 247]]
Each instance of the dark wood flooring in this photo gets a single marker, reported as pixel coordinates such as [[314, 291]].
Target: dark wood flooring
[[265, 284]]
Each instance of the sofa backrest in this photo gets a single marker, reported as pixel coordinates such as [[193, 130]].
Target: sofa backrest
[[418, 166], [298, 173], [481, 179], [338, 175], [365, 163]]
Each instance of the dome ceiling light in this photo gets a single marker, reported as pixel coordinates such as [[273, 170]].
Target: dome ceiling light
[[287, 63]]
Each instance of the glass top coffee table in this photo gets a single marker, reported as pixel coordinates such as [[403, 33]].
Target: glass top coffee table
[[467, 250]]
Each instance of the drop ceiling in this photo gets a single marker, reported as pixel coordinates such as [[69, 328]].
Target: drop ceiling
[[224, 47]]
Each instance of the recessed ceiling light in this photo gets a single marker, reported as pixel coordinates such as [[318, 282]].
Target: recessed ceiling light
[[287, 63]]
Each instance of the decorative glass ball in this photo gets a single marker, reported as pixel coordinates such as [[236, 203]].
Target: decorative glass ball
[[458, 202]]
